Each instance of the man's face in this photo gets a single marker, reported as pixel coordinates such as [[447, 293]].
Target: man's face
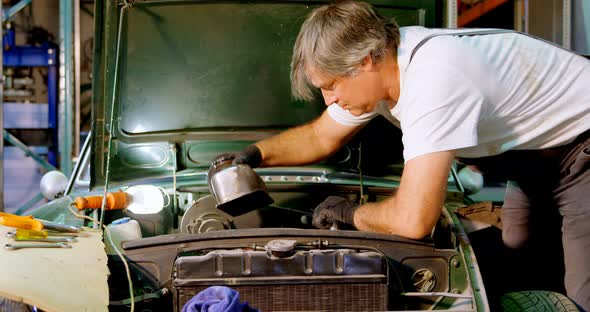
[[359, 93]]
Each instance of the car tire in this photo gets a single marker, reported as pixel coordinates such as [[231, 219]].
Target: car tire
[[537, 301]]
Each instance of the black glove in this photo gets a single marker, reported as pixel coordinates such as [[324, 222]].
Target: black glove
[[250, 156], [335, 210]]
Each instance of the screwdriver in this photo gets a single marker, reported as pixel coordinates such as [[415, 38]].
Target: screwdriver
[[21, 222], [30, 234], [4, 214], [29, 223]]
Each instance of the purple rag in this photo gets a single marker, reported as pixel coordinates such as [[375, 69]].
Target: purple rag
[[217, 299]]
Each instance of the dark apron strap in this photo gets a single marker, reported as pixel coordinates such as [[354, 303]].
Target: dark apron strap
[[459, 33], [382, 108], [516, 164], [485, 32]]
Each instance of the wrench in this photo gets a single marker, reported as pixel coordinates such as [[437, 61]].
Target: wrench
[[48, 240], [64, 239], [48, 245]]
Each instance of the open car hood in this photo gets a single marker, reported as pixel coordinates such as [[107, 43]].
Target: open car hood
[[178, 82]]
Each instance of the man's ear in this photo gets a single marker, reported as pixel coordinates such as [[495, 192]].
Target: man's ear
[[368, 64]]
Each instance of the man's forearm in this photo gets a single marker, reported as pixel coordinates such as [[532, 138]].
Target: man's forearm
[[386, 217], [417, 204], [297, 146]]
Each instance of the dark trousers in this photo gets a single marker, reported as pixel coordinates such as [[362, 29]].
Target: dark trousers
[[544, 183]]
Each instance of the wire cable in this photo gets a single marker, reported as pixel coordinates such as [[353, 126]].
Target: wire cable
[[115, 247], [124, 8], [291, 209], [359, 167]]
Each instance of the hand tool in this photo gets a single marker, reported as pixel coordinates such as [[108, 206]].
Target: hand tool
[[63, 239], [30, 223], [5, 214], [21, 222], [25, 234], [28, 234], [53, 226], [10, 215], [47, 245]]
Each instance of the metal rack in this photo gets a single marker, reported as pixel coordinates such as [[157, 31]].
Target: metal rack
[[22, 115], [525, 12], [61, 96]]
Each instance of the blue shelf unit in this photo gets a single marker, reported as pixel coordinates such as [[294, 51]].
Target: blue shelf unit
[[44, 55]]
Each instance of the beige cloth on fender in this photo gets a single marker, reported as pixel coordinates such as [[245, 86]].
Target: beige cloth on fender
[[56, 279]]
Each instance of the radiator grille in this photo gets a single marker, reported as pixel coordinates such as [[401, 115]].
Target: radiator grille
[[310, 297]]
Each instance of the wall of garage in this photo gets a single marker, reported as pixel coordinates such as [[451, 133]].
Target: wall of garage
[[581, 26], [21, 173]]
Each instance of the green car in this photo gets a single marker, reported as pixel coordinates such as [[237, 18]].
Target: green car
[[178, 82]]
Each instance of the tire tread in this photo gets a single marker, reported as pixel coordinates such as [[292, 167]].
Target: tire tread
[[537, 301]]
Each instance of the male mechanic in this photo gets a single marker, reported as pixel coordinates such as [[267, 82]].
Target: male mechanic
[[504, 102]]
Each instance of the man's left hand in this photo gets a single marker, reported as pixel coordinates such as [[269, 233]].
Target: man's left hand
[[335, 210]]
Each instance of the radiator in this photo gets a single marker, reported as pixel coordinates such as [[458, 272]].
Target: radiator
[[311, 280]]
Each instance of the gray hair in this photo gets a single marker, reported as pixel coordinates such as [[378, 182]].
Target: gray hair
[[335, 39]]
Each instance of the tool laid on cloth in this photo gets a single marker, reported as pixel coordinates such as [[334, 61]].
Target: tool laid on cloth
[[62, 239], [32, 272], [139, 199], [48, 225], [29, 234], [30, 223], [46, 245], [26, 234]]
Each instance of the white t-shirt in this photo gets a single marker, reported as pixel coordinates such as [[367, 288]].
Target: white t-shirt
[[484, 95]]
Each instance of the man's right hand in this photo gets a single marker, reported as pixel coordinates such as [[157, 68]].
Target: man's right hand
[[334, 211], [250, 156]]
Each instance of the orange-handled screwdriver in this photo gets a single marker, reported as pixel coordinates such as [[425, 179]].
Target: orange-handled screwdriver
[[21, 222], [30, 223], [4, 214]]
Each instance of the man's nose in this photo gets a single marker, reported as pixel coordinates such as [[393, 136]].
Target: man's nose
[[329, 97]]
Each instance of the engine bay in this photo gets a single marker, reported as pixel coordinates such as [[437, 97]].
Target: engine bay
[[194, 210], [278, 261]]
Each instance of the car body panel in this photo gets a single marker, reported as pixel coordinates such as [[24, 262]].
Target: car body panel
[[178, 82], [216, 80]]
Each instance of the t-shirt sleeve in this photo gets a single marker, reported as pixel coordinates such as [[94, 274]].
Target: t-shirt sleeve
[[442, 110], [344, 117]]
